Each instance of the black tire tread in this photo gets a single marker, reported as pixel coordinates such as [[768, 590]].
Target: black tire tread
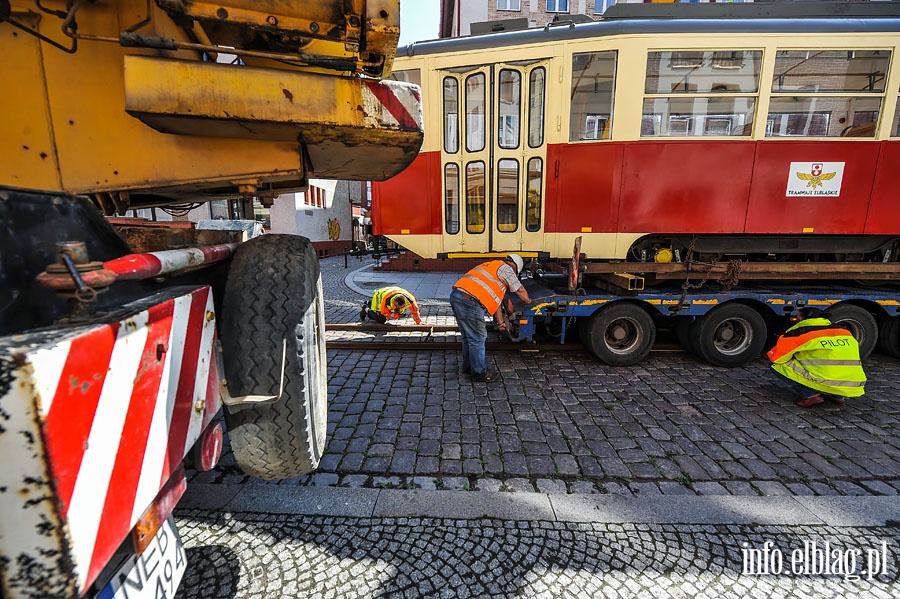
[[593, 333], [271, 284], [701, 333], [864, 318]]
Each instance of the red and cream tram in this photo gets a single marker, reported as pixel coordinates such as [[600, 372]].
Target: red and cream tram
[[765, 130]]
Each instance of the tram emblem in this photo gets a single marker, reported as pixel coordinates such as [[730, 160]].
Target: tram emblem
[[815, 179]]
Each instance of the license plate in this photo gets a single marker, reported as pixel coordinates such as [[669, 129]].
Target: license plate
[[155, 574]]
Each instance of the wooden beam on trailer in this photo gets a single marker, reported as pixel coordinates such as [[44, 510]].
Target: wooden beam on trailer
[[794, 271]]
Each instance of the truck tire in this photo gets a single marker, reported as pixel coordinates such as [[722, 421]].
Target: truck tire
[[273, 298], [683, 326], [621, 334], [859, 322], [730, 335], [889, 336]]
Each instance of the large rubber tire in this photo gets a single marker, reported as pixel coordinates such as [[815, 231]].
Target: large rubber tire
[[621, 334], [274, 297], [683, 333], [731, 335], [861, 324], [889, 336]]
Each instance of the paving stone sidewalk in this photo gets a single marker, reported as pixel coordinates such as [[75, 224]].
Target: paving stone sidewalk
[[562, 422]]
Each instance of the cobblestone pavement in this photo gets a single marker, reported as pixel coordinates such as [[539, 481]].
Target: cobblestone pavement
[[560, 424], [264, 556]]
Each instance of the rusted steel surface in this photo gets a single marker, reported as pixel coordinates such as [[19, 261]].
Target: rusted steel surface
[[756, 270]]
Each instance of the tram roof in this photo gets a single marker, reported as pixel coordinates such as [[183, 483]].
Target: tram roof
[[744, 17]]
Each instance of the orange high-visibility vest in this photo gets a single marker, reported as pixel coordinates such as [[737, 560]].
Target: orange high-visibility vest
[[483, 282], [383, 303]]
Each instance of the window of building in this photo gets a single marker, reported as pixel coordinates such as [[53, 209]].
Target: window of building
[[509, 5], [827, 93], [475, 198], [557, 5], [507, 195], [700, 93], [451, 198], [591, 99], [600, 6]]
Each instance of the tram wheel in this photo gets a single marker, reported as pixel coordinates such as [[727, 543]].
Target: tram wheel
[[730, 335], [859, 322], [620, 335]]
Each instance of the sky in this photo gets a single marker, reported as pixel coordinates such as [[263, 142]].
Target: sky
[[419, 20]]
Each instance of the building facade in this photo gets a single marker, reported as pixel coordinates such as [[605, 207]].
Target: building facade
[[457, 16]]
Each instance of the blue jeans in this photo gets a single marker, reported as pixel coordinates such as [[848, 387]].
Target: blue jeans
[[469, 315]]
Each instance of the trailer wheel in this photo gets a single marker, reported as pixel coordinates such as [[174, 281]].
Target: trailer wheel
[[620, 335], [889, 336], [730, 335], [859, 322], [683, 333], [273, 300]]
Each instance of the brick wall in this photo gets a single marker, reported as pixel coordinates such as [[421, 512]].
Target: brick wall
[[331, 248]]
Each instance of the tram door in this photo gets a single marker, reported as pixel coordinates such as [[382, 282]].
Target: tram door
[[493, 157]]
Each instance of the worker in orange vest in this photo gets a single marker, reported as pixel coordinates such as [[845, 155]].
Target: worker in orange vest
[[390, 303], [484, 288]]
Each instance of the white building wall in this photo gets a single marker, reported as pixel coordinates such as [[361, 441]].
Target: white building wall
[[472, 12], [291, 214]]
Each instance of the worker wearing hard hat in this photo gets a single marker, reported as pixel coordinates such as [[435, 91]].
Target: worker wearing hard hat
[[484, 288]]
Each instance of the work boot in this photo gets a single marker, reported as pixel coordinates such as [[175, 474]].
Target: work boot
[[808, 402], [487, 377]]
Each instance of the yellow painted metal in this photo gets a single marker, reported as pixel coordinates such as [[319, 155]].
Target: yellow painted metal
[[663, 255], [363, 31], [490, 255], [65, 128], [214, 100]]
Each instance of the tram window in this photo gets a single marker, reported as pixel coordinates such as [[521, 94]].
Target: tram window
[[896, 127], [822, 116], [409, 76], [533, 197], [698, 116], [510, 98], [849, 71], [703, 72], [507, 195], [475, 112], [451, 115], [475, 197], [536, 107], [451, 198], [593, 83]]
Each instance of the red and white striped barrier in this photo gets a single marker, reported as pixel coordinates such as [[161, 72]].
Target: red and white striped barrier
[[99, 417], [153, 264]]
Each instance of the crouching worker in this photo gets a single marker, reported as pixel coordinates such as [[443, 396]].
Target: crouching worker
[[390, 303], [820, 359]]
